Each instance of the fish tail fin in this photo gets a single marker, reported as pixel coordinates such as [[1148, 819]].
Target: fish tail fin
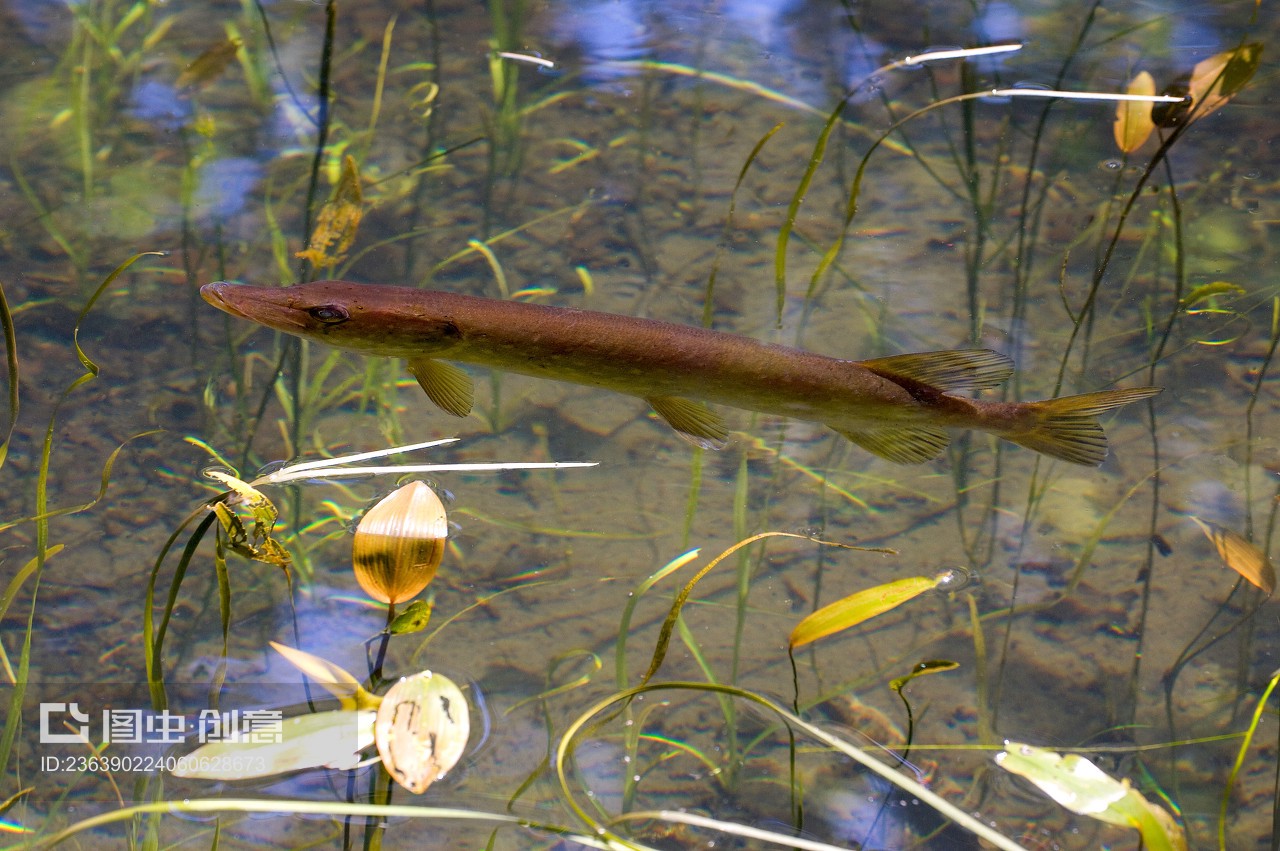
[[1068, 427]]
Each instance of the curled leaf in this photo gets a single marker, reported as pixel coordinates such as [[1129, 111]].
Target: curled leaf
[[333, 679], [339, 219], [931, 666], [862, 606], [1241, 556], [259, 546]]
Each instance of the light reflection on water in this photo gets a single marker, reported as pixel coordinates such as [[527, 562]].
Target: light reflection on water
[[624, 167]]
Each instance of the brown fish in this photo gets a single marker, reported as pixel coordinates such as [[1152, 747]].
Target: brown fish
[[898, 407]]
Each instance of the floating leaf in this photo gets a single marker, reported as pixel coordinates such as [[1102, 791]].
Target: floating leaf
[[316, 740], [330, 677], [422, 729], [414, 618], [1133, 118], [1209, 86], [862, 606], [399, 543], [1241, 556], [1082, 787]]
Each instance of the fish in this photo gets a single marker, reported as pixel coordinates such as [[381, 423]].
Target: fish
[[901, 408]]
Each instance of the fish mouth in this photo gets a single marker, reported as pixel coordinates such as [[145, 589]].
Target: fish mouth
[[263, 305], [216, 294]]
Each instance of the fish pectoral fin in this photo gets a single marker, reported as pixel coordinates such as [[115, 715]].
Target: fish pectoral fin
[[693, 421], [445, 384], [902, 444], [966, 369]]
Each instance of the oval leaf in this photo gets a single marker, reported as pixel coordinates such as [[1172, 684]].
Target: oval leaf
[[1133, 118], [422, 729], [862, 606], [414, 618]]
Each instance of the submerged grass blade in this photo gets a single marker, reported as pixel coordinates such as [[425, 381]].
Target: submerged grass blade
[[332, 809], [11, 358], [1240, 755], [668, 625], [628, 611], [910, 787]]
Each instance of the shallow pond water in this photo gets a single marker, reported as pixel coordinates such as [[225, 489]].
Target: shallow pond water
[[733, 163]]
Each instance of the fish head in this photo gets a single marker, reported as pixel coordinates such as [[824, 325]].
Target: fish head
[[372, 320]]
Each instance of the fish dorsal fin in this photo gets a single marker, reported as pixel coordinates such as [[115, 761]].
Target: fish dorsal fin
[[445, 384], [693, 420], [966, 369], [902, 445]]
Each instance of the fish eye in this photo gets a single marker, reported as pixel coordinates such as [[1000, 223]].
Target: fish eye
[[329, 314]]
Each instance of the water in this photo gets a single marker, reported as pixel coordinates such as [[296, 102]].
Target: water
[[606, 181]]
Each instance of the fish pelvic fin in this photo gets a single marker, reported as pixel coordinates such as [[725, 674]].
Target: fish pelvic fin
[[445, 384], [902, 445], [964, 369], [693, 421], [1068, 428]]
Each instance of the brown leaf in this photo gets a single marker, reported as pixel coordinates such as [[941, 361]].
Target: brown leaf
[[336, 226], [1209, 86], [209, 65], [1241, 556]]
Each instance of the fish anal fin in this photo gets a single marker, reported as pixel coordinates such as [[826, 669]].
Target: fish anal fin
[[1068, 428], [964, 369], [901, 444], [445, 384], [693, 421]]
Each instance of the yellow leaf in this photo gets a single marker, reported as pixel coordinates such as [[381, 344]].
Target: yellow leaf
[[422, 729], [1219, 78], [862, 606], [1133, 118], [329, 676], [1204, 292], [1241, 556], [336, 226]]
